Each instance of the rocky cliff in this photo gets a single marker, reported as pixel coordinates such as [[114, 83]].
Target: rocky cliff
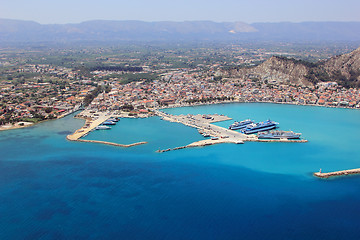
[[344, 69]]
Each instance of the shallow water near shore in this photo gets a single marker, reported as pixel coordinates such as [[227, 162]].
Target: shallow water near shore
[[51, 188]]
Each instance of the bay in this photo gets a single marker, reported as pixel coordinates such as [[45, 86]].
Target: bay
[[51, 188]]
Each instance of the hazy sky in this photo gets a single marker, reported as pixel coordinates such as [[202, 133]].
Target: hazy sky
[[75, 11]]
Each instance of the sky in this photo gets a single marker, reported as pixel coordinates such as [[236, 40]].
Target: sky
[[249, 11]]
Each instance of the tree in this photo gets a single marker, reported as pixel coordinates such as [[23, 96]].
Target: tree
[[48, 109]]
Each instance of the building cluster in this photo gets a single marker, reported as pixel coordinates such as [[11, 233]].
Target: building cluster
[[181, 88], [49, 70], [66, 90], [39, 101]]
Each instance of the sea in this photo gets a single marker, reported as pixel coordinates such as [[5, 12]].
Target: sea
[[51, 188]]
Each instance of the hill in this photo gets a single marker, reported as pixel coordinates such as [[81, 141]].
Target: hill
[[343, 69]]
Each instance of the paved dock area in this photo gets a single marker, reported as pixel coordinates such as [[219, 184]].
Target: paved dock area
[[203, 124], [90, 124]]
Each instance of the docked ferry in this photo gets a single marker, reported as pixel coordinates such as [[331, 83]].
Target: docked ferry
[[279, 135], [240, 125], [259, 127]]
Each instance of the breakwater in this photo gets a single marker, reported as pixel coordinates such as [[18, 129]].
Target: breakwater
[[337, 173], [209, 142], [110, 143]]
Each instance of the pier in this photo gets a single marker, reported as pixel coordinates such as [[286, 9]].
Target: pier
[[337, 173]]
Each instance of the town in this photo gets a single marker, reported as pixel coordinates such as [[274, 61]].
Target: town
[[35, 92]]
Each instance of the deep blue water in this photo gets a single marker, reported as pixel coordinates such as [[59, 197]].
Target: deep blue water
[[51, 188]]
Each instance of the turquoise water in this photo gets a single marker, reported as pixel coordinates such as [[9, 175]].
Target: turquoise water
[[51, 188]]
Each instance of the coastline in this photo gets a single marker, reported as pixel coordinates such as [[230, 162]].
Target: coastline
[[237, 101], [29, 124], [7, 127], [16, 126]]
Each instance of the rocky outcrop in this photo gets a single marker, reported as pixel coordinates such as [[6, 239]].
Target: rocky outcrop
[[344, 69]]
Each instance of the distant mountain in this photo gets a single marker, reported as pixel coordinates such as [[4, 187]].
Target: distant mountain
[[343, 69], [309, 31], [101, 30]]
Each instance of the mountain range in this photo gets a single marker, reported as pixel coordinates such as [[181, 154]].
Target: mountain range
[[103, 30], [343, 69]]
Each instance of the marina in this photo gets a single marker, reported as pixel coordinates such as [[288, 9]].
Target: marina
[[98, 121]]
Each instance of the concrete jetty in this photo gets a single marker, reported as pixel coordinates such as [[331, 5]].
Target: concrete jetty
[[90, 124], [337, 173]]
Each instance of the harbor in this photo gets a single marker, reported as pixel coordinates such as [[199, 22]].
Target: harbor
[[216, 133], [204, 123], [94, 120]]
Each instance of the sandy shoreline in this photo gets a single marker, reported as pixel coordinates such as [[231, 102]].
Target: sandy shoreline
[[16, 126]]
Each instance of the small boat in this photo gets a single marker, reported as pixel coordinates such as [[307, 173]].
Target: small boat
[[206, 135], [259, 127], [279, 135], [102, 127], [113, 119], [240, 125], [109, 123]]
